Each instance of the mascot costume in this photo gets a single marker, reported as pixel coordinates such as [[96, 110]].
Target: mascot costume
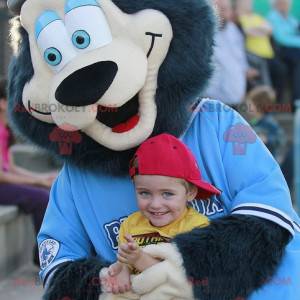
[[90, 80]]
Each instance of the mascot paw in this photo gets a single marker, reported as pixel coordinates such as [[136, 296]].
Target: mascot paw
[[165, 280]]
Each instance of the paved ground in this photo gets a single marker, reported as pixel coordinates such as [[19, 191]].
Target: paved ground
[[22, 285]]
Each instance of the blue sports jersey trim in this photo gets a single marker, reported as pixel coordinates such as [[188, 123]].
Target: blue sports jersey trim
[[48, 277], [48, 270], [275, 216], [297, 226], [266, 211]]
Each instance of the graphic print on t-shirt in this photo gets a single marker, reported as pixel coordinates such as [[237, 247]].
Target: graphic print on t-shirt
[[150, 238]]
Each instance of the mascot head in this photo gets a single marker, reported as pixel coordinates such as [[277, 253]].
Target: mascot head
[[104, 75]]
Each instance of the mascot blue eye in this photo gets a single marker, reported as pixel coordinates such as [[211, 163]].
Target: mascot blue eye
[[52, 56], [81, 39]]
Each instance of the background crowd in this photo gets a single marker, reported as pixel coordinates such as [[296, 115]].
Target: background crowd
[[257, 67], [252, 50]]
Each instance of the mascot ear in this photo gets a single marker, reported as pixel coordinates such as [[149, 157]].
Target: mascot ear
[[15, 6]]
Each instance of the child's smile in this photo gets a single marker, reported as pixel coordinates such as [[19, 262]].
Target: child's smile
[[161, 199]]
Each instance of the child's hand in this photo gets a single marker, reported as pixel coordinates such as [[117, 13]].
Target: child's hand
[[117, 280], [115, 269], [130, 252]]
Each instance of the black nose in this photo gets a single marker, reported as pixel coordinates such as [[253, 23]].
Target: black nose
[[87, 85]]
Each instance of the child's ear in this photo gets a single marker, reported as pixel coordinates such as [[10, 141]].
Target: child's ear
[[192, 193]]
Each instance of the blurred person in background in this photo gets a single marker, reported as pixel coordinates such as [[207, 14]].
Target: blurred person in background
[[260, 101], [287, 35], [28, 190], [229, 81], [260, 52]]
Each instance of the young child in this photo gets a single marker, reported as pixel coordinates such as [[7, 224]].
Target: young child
[[261, 101], [166, 177]]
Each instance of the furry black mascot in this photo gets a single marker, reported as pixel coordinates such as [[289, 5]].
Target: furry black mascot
[[92, 79]]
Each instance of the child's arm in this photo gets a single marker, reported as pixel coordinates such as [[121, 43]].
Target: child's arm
[[131, 254], [117, 280]]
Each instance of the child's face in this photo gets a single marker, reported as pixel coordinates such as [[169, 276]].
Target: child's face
[[283, 6], [252, 109], [244, 6], [162, 199], [3, 105]]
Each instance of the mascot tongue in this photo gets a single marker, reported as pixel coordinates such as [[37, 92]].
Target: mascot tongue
[[127, 125]]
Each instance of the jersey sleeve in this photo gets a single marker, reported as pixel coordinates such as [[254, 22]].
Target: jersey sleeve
[[62, 237], [255, 183]]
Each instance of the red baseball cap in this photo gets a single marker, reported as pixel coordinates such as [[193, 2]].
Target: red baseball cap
[[166, 155]]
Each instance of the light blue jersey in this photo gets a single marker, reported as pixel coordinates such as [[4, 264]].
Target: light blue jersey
[[86, 208]]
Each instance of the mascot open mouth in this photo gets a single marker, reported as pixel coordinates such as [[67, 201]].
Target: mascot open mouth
[[120, 119]]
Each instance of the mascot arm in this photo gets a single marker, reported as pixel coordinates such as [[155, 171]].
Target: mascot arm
[[232, 257], [67, 267], [75, 280]]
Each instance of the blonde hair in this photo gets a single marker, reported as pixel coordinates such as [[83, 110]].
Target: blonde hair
[[188, 186], [263, 97]]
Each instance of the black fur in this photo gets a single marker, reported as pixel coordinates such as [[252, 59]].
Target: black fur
[[181, 78], [77, 280], [232, 257]]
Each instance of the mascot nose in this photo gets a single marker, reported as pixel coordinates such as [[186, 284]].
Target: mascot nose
[[87, 85]]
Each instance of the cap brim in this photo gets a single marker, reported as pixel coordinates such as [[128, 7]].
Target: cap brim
[[205, 189]]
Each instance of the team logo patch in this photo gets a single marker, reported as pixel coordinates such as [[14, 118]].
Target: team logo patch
[[48, 251]]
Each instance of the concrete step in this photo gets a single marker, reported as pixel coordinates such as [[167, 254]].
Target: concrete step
[[16, 240], [33, 158], [23, 284], [17, 236]]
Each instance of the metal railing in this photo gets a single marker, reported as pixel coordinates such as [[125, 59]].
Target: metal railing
[[297, 154], [5, 52]]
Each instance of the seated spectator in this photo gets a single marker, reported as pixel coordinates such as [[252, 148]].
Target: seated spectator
[[260, 101], [259, 48], [286, 34], [229, 81], [28, 190]]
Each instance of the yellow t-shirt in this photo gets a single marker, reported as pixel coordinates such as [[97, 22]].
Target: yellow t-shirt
[[145, 234], [260, 46]]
